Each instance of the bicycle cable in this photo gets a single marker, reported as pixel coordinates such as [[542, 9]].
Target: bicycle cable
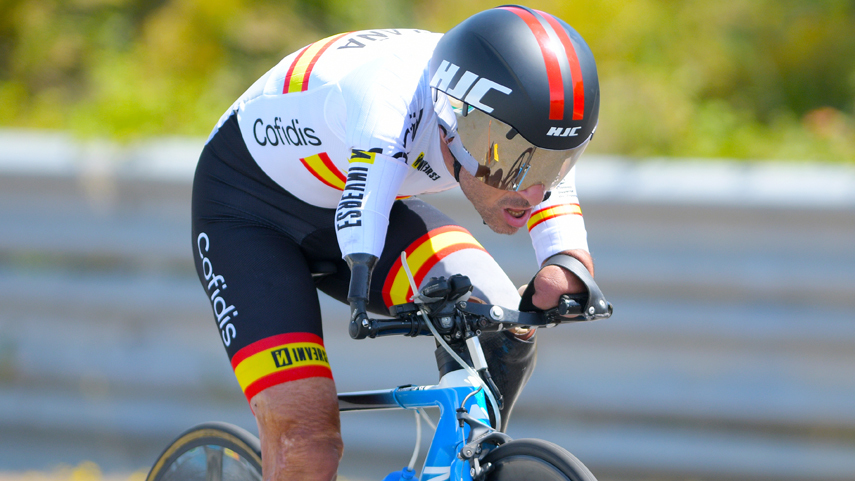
[[412, 466], [469, 370], [480, 388], [427, 419]]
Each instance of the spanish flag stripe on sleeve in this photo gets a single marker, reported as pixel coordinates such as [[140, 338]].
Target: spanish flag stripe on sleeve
[[290, 73], [323, 169], [422, 255], [434, 259], [297, 79], [397, 278], [311, 66], [552, 212]]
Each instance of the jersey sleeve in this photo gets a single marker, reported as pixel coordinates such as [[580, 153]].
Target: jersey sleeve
[[384, 111], [362, 215], [556, 224]]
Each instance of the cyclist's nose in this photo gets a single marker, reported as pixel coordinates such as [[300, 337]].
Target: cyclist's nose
[[534, 194]]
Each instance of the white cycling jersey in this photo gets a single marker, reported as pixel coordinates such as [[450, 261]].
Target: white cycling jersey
[[349, 122]]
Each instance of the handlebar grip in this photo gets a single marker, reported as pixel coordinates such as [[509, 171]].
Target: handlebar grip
[[360, 328], [593, 304], [360, 325], [571, 305]]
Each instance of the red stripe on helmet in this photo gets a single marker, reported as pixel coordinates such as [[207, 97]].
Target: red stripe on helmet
[[575, 68], [553, 69]]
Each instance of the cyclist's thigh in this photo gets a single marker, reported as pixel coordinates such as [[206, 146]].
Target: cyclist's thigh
[[275, 345], [435, 246], [265, 306]]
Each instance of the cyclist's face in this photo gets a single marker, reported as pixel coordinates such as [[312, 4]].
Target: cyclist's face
[[505, 212]]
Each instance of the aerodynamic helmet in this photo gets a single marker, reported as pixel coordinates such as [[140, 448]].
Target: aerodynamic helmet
[[524, 88]]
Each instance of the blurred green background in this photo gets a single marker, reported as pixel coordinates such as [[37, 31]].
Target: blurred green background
[[745, 79]]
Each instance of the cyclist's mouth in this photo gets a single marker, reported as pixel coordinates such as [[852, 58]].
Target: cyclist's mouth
[[517, 217]]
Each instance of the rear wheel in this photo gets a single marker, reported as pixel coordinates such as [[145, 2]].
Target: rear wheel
[[210, 452], [535, 459]]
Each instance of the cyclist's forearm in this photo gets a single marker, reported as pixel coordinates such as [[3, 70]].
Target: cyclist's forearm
[[553, 281], [582, 256], [556, 224]]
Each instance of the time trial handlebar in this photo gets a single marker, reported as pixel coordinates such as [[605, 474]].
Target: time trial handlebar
[[446, 304]]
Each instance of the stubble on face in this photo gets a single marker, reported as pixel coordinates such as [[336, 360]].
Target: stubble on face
[[490, 203]]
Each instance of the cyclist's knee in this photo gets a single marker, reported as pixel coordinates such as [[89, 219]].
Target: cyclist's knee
[[298, 424]]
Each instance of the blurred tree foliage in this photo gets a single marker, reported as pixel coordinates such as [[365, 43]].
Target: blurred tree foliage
[[740, 78]]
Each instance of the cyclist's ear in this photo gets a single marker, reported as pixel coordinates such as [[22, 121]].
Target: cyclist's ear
[[522, 289]]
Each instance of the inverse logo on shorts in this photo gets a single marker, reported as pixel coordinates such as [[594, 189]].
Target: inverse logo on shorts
[[278, 359]]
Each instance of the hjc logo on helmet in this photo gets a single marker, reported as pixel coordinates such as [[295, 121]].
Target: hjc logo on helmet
[[479, 86], [562, 132]]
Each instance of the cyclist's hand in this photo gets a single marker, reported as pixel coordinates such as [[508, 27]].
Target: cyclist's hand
[[552, 281]]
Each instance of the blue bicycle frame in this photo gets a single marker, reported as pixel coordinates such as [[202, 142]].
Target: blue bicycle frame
[[442, 462], [464, 428]]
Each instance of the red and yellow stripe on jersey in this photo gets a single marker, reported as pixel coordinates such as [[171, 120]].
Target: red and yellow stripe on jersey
[[278, 359], [324, 170], [297, 78], [547, 213], [423, 254], [322, 167]]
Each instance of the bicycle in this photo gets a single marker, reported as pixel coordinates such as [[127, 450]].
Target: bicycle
[[466, 446]]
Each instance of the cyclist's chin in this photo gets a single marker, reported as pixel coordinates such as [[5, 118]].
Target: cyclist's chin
[[489, 203], [497, 223]]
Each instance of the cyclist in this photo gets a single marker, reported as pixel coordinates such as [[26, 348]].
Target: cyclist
[[315, 167]]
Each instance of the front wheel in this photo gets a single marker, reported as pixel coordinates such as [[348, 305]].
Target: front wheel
[[210, 452], [525, 459]]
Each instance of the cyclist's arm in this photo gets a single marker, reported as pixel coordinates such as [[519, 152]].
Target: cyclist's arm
[[556, 226], [552, 281], [382, 107], [362, 217]]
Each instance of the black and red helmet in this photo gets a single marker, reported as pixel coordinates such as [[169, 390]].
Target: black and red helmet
[[519, 76]]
